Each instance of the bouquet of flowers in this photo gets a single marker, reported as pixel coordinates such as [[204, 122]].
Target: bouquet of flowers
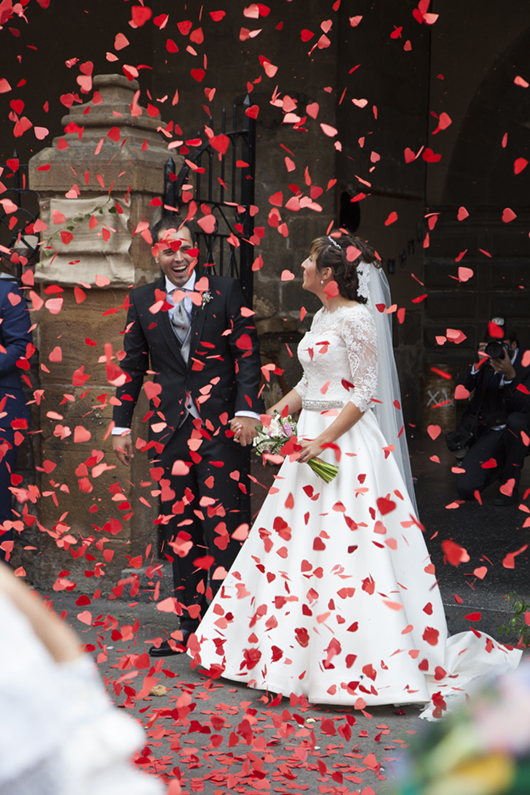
[[483, 748], [273, 438]]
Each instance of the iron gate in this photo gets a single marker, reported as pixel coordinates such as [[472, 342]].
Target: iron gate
[[224, 182]]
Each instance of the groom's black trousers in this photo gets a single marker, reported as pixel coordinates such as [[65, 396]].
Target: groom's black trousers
[[204, 506]]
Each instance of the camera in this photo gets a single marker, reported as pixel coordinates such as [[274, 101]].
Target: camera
[[457, 440], [495, 350]]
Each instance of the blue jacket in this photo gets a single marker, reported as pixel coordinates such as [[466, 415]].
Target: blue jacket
[[14, 333]]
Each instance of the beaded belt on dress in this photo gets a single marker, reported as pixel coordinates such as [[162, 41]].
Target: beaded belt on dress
[[321, 405]]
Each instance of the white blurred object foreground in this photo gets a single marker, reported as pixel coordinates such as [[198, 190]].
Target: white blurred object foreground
[[59, 732]]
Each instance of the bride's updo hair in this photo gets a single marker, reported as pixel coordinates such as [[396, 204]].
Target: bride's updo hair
[[331, 251]]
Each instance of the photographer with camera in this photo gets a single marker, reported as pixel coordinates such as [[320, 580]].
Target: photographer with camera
[[496, 424]]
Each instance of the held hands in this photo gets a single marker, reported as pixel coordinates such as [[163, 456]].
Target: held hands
[[244, 429], [123, 447]]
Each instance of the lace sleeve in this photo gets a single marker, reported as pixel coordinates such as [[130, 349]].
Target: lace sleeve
[[301, 387], [358, 333]]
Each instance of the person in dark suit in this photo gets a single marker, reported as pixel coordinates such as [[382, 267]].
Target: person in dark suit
[[197, 337], [15, 335], [498, 415]]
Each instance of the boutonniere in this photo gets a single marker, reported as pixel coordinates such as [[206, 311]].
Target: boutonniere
[[206, 298]]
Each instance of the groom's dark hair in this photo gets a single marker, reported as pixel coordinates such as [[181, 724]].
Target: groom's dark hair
[[172, 222]]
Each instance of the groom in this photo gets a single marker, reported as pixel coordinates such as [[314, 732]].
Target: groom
[[195, 334]]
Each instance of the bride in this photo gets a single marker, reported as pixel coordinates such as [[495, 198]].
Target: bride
[[333, 594]]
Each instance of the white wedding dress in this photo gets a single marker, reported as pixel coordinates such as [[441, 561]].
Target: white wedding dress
[[333, 594]]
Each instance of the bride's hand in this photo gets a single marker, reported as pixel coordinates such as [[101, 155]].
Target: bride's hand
[[310, 449]]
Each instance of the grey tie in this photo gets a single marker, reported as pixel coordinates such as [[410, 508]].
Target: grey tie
[[181, 323]]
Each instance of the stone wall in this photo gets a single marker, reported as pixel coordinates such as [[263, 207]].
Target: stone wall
[[477, 197], [470, 47], [95, 185], [383, 113], [497, 256]]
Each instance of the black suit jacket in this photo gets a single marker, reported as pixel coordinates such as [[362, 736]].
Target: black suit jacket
[[222, 374], [493, 403]]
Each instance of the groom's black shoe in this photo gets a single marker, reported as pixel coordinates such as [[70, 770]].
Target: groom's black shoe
[[165, 650], [502, 500]]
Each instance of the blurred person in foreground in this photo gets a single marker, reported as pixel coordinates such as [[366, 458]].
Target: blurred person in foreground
[[496, 424], [59, 732], [482, 749]]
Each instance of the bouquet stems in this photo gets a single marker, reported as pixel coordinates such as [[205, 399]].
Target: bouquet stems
[[325, 471]]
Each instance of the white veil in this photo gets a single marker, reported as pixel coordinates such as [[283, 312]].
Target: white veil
[[373, 285]]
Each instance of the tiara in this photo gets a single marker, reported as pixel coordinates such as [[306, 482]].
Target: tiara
[[334, 243]]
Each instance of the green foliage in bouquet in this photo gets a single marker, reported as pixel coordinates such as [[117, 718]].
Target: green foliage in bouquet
[[271, 440], [517, 625]]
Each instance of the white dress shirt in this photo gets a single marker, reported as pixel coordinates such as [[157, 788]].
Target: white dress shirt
[[188, 288]]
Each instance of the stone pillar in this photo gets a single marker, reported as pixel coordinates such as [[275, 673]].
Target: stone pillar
[[96, 184]]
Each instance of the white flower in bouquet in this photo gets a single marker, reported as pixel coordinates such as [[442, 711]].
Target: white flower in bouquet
[[272, 438]]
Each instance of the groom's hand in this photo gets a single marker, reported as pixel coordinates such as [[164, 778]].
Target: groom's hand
[[244, 429], [123, 447]]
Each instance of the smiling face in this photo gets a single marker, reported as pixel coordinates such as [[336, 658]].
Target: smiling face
[[173, 257]]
